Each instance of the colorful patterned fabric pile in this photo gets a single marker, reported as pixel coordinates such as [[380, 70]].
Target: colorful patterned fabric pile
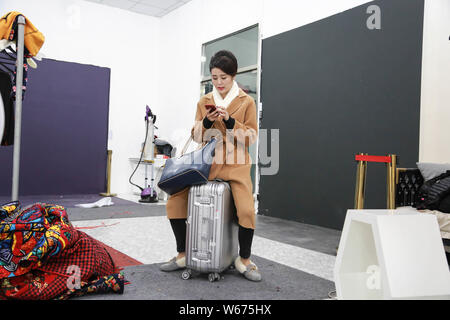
[[42, 256]]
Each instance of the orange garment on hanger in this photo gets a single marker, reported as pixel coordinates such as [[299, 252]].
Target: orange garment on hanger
[[33, 38]]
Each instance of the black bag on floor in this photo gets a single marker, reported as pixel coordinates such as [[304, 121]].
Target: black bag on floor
[[433, 191]]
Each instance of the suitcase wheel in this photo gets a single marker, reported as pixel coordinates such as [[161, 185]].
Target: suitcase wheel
[[186, 275], [213, 277]]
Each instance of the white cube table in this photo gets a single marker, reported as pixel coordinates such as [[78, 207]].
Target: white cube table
[[391, 254]]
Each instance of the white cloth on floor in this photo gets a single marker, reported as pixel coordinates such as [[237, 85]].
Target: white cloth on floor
[[100, 203]]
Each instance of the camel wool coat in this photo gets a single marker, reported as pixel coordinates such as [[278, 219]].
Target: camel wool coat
[[232, 161]]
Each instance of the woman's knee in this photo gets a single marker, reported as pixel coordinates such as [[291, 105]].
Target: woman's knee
[[247, 219], [176, 206]]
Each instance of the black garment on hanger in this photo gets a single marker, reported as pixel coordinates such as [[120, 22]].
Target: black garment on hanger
[[7, 136], [8, 64], [8, 92]]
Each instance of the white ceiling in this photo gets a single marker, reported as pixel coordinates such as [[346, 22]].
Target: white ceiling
[[155, 8]]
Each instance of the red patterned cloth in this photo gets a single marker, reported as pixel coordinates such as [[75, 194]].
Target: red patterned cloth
[[30, 237], [113, 283], [55, 260]]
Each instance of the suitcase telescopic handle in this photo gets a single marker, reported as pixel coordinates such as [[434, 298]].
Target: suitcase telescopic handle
[[194, 228], [202, 223], [206, 219]]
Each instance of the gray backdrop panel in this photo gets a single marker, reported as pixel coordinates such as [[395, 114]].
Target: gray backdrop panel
[[64, 131], [334, 88]]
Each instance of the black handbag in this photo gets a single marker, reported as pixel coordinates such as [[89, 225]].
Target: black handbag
[[187, 170], [433, 191]]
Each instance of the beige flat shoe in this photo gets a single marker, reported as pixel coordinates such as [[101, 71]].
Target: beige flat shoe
[[173, 264], [250, 272]]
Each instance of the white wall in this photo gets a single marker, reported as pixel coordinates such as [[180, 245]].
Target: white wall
[[435, 95], [89, 33]]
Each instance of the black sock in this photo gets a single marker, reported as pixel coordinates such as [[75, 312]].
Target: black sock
[[245, 242], [179, 230]]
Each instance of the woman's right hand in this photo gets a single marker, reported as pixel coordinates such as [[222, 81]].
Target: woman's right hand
[[213, 116]]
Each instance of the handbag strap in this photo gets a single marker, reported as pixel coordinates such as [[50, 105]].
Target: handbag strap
[[187, 144]]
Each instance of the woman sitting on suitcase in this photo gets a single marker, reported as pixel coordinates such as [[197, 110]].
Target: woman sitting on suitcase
[[235, 119]]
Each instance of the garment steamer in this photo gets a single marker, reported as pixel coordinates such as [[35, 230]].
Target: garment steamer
[[148, 194]]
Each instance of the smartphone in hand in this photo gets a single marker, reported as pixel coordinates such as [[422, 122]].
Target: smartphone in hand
[[210, 108]]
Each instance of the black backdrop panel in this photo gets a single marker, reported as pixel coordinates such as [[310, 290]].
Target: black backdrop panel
[[334, 88]]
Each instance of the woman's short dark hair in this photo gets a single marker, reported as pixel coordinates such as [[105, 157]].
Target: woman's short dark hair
[[225, 61]]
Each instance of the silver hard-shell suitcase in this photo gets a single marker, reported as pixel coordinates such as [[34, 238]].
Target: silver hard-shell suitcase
[[212, 230]]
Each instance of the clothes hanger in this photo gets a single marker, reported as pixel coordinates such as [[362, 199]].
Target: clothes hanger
[[6, 44], [7, 61]]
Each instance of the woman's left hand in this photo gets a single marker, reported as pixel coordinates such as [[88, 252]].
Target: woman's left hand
[[223, 113]]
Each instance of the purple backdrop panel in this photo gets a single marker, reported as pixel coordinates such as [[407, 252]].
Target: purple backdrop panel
[[64, 131]]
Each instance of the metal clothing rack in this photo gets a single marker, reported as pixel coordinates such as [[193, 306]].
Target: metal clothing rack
[[20, 44]]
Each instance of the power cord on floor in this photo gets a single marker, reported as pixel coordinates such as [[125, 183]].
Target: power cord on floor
[[140, 159]]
